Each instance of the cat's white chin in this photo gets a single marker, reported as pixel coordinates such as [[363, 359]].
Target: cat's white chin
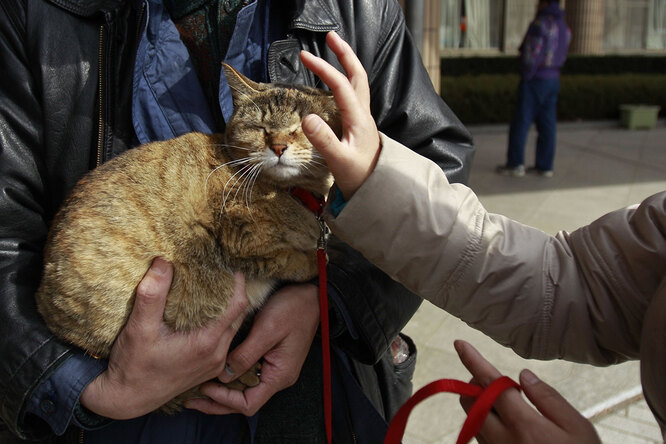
[[283, 172]]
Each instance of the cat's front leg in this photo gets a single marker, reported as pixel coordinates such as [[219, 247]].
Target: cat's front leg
[[283, 264]]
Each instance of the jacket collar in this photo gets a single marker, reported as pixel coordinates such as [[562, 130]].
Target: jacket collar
[[87, 8], [314, 15]]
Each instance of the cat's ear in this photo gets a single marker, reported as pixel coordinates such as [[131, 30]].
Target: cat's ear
[[240, 85]]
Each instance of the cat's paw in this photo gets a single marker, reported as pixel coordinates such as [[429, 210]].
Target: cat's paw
[[250, 378]]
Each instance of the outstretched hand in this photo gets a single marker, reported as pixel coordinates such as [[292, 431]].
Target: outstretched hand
[[351, 159], [513, 419]]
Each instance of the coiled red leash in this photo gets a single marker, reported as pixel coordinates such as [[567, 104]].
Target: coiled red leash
[[476, 416]]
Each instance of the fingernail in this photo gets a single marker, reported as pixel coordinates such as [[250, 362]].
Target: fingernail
[[160, 266], [528, 378], [311, 124], [228, 370], [458, 346]]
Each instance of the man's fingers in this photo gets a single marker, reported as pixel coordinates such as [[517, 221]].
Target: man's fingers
[[237, 308], [151, 294], [207, 406], [223, 400], [245, 355], [216, 401]]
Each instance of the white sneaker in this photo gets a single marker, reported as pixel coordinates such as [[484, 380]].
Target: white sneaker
[[517, 171], [538, 172]]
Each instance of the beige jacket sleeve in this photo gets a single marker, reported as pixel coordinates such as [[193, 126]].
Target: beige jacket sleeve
[[579, 296]]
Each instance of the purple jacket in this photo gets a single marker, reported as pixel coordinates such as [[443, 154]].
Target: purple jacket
[[544, 48]]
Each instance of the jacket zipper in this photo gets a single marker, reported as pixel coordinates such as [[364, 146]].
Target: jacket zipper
[[100, 122]]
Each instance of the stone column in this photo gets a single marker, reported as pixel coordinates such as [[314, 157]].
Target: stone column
[[430, 48], [429, 44], [586, 20]]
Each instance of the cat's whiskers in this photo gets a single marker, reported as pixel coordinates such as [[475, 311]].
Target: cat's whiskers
[[248, 199], [248, 180], [234, 162], [318, 163], [228, 145], [305, 166], [241, 177], [236, 177], [310, 160]]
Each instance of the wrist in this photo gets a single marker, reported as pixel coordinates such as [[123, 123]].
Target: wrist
[[93, 398], [104, 398]]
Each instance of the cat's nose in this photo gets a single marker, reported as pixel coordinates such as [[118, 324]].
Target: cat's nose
[[278, 148]]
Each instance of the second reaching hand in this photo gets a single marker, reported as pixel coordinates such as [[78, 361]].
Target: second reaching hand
[[352, 158]]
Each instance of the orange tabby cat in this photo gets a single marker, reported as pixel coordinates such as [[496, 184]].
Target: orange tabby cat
[[210, 204]]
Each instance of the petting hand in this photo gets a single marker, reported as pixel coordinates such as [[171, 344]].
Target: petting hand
[[149, 363], [281, 334], [513, 419], [351, 159]]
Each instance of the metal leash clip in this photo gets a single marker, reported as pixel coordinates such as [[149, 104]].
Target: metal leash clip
[[323, 234]]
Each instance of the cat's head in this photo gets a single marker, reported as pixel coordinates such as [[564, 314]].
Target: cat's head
[[266, 129]]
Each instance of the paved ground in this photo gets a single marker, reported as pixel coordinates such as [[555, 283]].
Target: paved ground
[[599, 167]]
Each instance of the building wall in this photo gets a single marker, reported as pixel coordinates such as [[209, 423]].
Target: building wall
[[598, 27]]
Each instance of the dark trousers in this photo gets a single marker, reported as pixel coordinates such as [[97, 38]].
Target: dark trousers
[[536, 102]]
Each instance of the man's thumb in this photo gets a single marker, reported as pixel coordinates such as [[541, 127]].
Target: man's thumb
[[152, 291]]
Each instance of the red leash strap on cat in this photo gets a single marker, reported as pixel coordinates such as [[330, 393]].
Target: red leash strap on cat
[[316, 206], [476, 416], [307, 198]]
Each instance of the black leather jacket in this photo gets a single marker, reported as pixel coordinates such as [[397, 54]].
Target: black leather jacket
[[65, 96]]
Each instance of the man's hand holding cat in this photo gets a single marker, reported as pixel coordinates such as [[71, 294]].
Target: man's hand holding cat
[[352, 158], [149, 364], [281, 334]]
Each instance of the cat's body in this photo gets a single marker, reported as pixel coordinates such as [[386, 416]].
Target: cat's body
[[201, 202]]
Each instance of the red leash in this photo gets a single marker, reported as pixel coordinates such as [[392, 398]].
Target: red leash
[[316, 206], [476, 416], [325, 340]]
